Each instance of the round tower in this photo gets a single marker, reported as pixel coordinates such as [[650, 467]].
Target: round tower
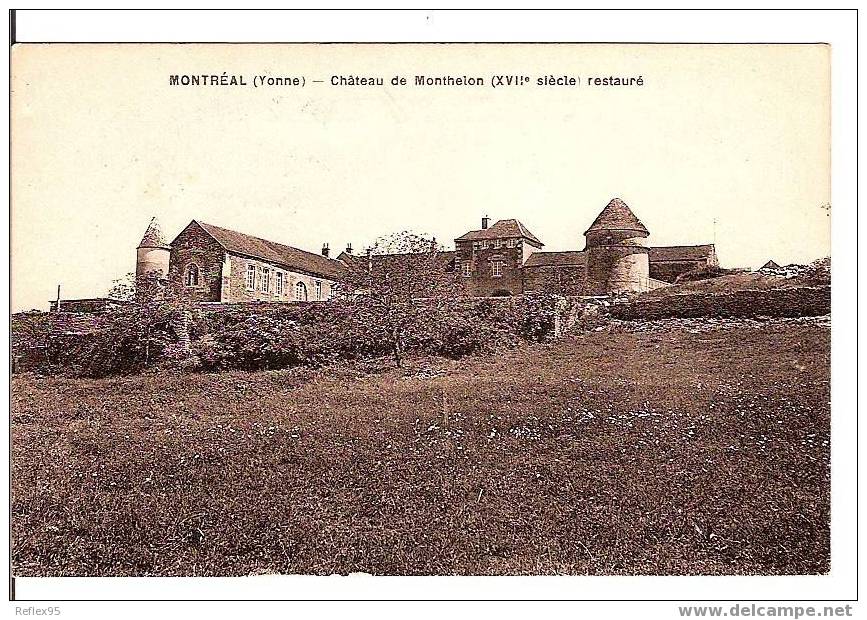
[[152, 254], [617, 252]]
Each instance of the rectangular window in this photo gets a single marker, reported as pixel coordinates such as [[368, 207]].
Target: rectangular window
[[477, 245], [318, 289], [251, 277], [485, 244], [511, 243], [266, 280], [496, 244], [497, 269], [278, 283], [467, 270]]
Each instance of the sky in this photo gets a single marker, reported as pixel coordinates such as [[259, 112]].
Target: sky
[[721, 142]]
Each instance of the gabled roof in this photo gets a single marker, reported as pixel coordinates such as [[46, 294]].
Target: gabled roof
[[617, 216], [681, 253], [273, 252], [503, 229], [770, 265], [153, 237], [556, 259]]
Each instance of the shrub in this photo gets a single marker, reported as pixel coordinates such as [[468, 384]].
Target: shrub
[[132, 340]]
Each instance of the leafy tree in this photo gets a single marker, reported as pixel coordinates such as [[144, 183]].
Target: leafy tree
[[401, 284], [143, 323]]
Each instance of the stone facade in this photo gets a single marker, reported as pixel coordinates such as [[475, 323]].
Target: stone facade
[[282, 284], [490, 271], [617, 262], [195, 251]]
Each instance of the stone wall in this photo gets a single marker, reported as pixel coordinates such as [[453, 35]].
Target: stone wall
[[785, 302], [566, 280], [152, 260], [615, 268], [668, 270]]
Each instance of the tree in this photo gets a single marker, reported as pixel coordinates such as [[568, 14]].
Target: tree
[[400, 283], [144, 320]]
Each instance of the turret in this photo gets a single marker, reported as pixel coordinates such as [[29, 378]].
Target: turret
[[152, 254], [617, 252]]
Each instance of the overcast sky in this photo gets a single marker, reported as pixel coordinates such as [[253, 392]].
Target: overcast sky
[[102, 142]]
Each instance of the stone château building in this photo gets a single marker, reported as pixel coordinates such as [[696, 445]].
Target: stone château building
[[507, 259], [207, 263]]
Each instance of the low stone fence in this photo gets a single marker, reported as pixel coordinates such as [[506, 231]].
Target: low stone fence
[[782, 302]]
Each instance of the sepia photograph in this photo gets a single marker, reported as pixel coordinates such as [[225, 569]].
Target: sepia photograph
[[420, 309]]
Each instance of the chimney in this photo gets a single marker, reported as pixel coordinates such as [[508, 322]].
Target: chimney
[[485, 221], [349, 248], [325, 250]]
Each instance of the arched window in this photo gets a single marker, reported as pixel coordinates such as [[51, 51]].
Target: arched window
[[192, 276], [300, 292]]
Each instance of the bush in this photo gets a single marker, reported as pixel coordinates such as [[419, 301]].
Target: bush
[[260, 342], [538, 317], [460, 336]]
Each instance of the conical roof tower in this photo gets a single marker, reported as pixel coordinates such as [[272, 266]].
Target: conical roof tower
[[617, 253], [153, 237], [617, 216], [153, 253]]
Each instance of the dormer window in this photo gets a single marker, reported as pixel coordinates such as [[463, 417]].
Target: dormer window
[[191, 278]]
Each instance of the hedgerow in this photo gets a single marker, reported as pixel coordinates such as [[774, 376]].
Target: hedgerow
[[276, 336]]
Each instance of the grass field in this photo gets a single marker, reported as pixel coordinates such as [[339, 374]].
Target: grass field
[[657, 452]]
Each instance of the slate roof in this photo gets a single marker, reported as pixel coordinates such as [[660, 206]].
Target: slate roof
[[556, 259], [681, 253], [273, 252], [503, 229], [617, 216], [153, 237]]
